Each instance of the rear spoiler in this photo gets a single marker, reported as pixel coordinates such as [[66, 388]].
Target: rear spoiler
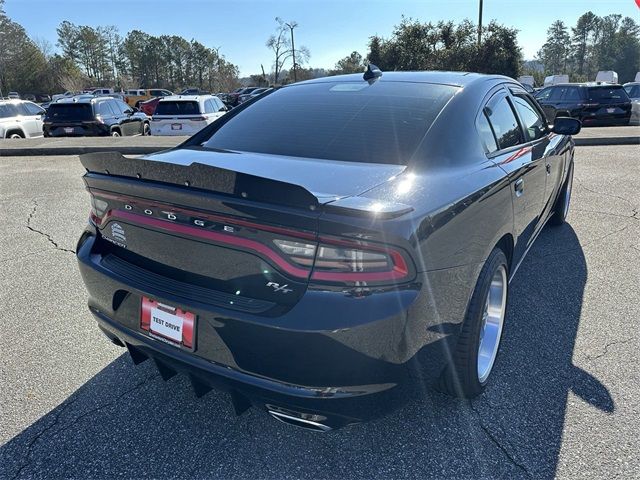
[[200, 177]]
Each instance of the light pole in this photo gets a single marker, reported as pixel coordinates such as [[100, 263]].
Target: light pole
[[291, 26], [480, 24]]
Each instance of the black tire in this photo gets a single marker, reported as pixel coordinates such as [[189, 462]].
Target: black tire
[[15, 134], [561, 208], [460, 378]]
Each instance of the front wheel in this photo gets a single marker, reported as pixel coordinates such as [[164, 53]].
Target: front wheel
[[145, 129], [561, 208], [481, 332], [115, 133]]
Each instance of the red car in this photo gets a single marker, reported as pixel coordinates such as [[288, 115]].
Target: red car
[[149, 106]]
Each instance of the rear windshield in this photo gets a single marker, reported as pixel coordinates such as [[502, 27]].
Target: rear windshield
[[608, 95], [70, 111], [177, 108], [379, 123]]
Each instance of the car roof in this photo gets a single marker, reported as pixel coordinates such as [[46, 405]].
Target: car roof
[[456, 79]]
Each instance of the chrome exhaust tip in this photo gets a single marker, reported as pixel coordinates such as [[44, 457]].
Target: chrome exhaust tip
[[300, 420]]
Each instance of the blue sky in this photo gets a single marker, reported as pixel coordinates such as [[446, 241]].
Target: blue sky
[[331, 29]]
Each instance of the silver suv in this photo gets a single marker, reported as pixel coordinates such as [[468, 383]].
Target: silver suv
[[20, 119]]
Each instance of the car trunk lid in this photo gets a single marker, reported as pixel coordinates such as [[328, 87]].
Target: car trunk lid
[[229, 229]]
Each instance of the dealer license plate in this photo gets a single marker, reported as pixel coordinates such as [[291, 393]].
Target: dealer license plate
[[169, 323]]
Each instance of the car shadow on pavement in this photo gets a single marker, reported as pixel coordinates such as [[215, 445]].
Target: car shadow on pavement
[[127, 422]]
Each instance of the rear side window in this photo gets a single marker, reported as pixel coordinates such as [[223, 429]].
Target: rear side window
[[613, 94], [70, 112], [504, 123], [208, 106], [170, 107], [383, 122], [8, 110], [633, 91], [33, 109], [533, 123]]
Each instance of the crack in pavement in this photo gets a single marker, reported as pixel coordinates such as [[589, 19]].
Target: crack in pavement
[[633, 216], [37, 437], [610, 195], [497, 443], [542, 258], [606, 348], [63, 408], [44, 234]]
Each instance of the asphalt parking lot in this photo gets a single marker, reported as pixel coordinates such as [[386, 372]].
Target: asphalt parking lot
[[563, 402]]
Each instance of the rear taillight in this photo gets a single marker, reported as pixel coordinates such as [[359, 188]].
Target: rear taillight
[[346, 261], [98, 211]]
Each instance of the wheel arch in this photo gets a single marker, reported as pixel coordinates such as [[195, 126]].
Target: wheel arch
[[13, 130], [506, 244]]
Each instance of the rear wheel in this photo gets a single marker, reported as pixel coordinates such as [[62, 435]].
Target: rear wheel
[[481, 333], [561, 208], [15, 135], [145, 129], [115, 133]]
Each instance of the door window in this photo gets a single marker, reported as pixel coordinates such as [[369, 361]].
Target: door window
[[486, 134], [103, 109], [532, 121], [504, 123], [7, 110], [572, 94], [208, 107], [544, 94]]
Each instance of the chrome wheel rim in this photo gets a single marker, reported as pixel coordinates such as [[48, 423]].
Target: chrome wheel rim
[[115, 134], [492, 321], [15, 136], [567, 195]]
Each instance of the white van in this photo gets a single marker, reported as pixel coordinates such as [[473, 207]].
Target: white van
[[607, 76], [526, 80], [185, 114], [555, 80]]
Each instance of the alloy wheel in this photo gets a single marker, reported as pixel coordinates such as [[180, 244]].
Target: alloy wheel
[[492, 321]]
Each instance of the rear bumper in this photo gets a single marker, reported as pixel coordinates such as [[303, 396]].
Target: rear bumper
[[606, 119], [356, 369]]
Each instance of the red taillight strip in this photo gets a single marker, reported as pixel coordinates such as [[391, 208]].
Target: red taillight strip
[[208, 216], [216, 237], [400, 269]]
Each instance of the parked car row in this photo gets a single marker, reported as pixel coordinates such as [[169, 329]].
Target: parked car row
[[591, 103]]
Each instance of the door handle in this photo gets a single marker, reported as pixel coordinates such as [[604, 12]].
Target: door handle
[[519, 187], [548, 167]]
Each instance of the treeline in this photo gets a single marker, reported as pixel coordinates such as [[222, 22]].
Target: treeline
[[415, 45], [594, 43], [140, 59], [100, 56]]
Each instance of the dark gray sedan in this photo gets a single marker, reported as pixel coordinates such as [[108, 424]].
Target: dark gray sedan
[[317, 251]]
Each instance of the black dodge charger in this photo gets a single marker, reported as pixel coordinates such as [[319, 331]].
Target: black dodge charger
[[322, 251]]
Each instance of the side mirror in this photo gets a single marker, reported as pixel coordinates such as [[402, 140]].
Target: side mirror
[[223, 109], [566, 126], [134, 110]]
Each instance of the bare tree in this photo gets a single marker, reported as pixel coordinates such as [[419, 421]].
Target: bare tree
[[280, 44]]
